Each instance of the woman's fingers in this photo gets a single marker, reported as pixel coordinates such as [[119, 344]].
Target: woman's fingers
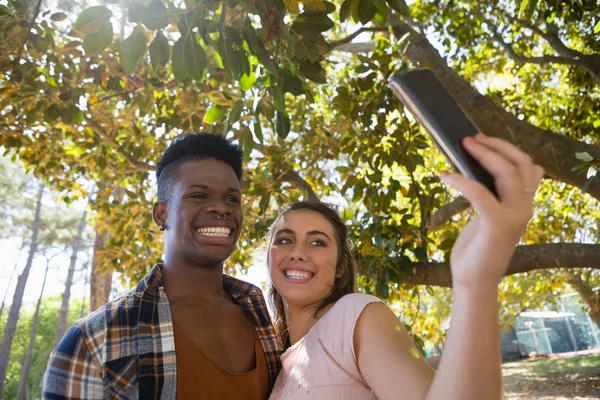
[[507, 176], [480, 198], [521, 160]]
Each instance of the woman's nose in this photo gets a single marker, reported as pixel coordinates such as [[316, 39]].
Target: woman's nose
[[298, 252]]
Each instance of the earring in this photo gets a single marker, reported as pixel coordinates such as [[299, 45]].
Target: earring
[[162, 227]]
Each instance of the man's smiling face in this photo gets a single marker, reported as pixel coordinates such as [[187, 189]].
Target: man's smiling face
[[205, 191]]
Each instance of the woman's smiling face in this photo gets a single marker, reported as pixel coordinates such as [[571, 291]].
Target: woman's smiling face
[[303, 255]]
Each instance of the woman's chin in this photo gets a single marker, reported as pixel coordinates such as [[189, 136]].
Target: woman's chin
[[301, 298]]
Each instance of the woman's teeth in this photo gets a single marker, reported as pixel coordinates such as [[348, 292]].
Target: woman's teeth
[[214, 231], [296, 274]]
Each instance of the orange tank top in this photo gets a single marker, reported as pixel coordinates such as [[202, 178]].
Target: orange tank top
[[200, 378]]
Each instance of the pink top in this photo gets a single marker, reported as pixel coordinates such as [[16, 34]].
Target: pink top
[[323, 365]]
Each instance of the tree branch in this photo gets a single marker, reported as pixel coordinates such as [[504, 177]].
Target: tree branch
[[590, 63], [137, 165], [546, 59], [296, 180], [366, 47], [526, 258], [446, 212], [352, 36]]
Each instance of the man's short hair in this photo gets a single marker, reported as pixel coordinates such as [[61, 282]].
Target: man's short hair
[[194, 146]]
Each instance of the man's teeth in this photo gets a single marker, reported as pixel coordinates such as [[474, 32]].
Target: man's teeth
[[214, 231], [290, 273]]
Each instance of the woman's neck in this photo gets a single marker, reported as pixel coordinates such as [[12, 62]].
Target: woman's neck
[[299, 320]]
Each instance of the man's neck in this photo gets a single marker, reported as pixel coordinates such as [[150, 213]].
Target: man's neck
[[185, 282]]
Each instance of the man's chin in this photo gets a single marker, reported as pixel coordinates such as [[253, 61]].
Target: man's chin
[[215, 260]]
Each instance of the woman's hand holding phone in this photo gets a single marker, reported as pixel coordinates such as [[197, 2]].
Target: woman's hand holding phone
[[482, 252]]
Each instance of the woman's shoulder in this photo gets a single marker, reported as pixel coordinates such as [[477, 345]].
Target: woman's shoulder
[[357, 299], [348, 308]]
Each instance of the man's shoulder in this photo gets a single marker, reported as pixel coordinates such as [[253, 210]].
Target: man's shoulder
[[115, 312], [238, 286]]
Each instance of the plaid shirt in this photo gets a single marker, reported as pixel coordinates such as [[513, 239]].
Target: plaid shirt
[[126, 348]]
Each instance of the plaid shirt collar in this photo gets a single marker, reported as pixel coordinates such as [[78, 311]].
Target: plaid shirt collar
[[248, 296]]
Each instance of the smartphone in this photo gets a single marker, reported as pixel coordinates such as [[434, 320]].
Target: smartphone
[[432, 105]]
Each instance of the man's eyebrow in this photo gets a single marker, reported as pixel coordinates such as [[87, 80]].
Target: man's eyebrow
[[205, 187]]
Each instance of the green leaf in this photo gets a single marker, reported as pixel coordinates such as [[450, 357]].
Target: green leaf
[[591, 172], [247, 82], [366, 10], [95, 43], [233, 54], [254, 42], [195, 59], [214, 114], [59, 16], [282, 123], [346, 9], [219, 99], [597, 28], [178, 56], [155, 16], [269, 64], [306, 49], [247, 142], [380, 17], [159, 51], [92, 20], [132, 49], [584, 157], [313, 71], [588, 181], [189, 58], [278, 98], [136, 12], [292, 84], [315, 22], [5, 10], [258, 130], [235, 113], [527, 8], [597, 123]]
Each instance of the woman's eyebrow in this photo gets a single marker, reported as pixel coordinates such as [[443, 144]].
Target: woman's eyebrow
[[315, 232]]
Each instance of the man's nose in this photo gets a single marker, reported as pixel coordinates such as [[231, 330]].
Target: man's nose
[[219, 207]]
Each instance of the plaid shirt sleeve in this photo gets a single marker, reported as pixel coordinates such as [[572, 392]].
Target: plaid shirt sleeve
[[73, 372]]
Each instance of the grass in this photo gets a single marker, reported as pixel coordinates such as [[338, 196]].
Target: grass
[[575, 377]]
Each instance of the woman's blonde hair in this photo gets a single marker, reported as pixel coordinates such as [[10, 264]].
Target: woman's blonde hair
[[345, 277]]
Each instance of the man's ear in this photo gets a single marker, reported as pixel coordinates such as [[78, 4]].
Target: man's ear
[[159, 214]]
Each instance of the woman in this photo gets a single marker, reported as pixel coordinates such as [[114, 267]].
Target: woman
[[344, 345]]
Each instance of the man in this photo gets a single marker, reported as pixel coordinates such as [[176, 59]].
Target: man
[[187, 330]]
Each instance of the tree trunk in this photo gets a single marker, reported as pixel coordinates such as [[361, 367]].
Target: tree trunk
[[82, 312], [64, 308], [13, 316], [24, 382], [11, 277], [7, 289], [100, 281], [590, 297]]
